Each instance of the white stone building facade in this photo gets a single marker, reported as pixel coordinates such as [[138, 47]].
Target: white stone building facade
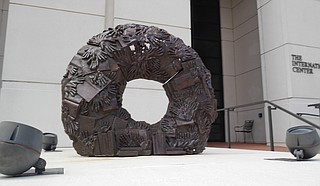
[[270, 51]]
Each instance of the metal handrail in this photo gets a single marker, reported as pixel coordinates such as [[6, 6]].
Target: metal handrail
[[275, 106], [307, 114]]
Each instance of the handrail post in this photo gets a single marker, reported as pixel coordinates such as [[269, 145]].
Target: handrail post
[[228, 123], [275, 106], [270, 128]]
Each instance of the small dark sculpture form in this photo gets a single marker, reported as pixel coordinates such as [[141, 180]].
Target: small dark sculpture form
[[49, 141], [96, 78]]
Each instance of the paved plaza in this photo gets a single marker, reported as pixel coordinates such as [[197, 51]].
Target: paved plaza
[[216, 166]]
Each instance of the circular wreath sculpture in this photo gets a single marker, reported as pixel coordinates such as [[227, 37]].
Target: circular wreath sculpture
[[95, 81]]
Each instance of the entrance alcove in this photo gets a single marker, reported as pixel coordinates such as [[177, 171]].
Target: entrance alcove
[[145, 100]]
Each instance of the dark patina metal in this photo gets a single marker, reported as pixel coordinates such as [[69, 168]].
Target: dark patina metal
[[96, 78]]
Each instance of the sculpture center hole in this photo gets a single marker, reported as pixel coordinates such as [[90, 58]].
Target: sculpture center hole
[[145, 100]]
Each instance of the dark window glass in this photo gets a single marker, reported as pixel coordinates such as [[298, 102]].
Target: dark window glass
[[206, 40]]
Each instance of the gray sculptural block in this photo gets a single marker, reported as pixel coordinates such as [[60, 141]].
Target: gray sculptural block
[[96, 78], [20, 147], [303, 142]]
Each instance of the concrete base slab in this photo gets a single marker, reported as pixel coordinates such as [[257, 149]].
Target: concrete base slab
[[216, 166]]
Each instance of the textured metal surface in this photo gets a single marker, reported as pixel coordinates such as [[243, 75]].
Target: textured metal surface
[[96, 78]]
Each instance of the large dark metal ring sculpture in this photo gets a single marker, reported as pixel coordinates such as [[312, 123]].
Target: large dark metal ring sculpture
[[96, 78]]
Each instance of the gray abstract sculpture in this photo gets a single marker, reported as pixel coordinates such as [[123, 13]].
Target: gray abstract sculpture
[[20, 148], [303, 142], [49, 141], [96, 78]]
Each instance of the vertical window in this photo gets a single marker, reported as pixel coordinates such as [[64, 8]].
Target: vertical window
[[206, 40]]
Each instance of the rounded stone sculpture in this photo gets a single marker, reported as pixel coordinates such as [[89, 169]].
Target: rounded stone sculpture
[[20, 147], [95, 81], [49, 141], [303, 142]]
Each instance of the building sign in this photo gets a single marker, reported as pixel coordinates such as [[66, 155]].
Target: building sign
[[300, 66]]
